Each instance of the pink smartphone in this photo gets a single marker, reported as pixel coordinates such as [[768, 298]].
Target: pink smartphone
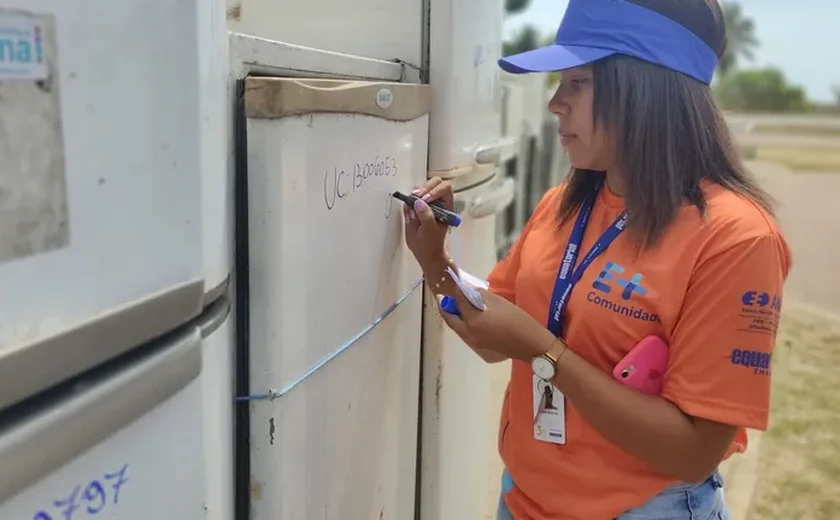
[[645, 365]]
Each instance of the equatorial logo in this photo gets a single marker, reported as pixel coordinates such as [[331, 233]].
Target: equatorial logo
[[608, 280], [759, 362]]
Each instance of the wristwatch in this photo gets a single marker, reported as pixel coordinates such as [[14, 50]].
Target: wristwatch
[[544, 366]]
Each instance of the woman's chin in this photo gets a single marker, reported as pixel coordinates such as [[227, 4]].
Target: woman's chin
[[583, 163], [579, 164]]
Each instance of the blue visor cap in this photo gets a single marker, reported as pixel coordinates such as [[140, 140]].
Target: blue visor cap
[[595, 29]]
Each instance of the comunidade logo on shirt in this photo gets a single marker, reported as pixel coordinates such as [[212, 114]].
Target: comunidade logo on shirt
[[620, 291]]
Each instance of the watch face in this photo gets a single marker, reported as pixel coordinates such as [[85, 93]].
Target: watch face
[[543, 368]]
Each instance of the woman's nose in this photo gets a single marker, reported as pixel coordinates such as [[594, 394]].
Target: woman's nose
[[557, 107]]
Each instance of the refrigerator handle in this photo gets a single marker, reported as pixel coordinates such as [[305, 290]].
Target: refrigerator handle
[[504, 149], [61, 428], [492, 202]]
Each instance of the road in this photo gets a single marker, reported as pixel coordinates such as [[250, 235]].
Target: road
[[805, 208], [821, 121], [788, 141], [809, 218]]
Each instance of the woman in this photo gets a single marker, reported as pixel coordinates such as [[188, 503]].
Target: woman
[[660, 231]]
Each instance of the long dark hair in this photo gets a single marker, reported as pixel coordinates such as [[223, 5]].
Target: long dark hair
[[668, 132]]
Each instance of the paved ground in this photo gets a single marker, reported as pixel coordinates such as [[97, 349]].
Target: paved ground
[[736, 119], [807, 205], [789, 141], [809, 211], [739, 477]]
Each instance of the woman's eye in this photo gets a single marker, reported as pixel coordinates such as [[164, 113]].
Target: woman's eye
[[574, 84]]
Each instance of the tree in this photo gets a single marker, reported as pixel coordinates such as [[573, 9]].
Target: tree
[[835, 90], [526, 39], [516, 6], [740, 35], [764, 89]]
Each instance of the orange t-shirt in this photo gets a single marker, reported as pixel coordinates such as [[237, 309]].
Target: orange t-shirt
[[711, 288]]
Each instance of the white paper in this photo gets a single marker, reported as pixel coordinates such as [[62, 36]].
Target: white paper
[[469, 293], [473, 280]]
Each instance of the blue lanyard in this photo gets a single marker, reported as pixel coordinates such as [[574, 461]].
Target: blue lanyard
[[566, 279]]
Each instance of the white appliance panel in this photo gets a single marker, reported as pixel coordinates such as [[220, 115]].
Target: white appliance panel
[[101, 176], [379, 29], [462, 395], [216, 176], [217, 389], [127, 444], [464, 47]]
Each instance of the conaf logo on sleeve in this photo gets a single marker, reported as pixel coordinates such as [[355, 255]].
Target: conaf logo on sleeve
[[760, 312]]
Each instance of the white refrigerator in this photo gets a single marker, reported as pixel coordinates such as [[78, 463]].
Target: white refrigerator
[[328, 298], [114, 286], [462, 395]]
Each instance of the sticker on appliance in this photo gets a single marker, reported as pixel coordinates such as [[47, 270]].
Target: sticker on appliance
[[33, 191]]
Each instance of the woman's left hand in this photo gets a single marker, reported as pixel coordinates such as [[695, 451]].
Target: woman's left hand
[[502, 327]]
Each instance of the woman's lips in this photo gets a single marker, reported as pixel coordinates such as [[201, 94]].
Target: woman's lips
[[567, 138]]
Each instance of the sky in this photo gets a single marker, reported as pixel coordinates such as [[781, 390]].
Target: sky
[[801, 37]]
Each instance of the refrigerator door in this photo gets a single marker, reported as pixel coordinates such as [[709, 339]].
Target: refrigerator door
[[380, 29], [510, 223], [460, 471], [216, 176], [464, 45], [487, 199], [217, 382], [334, 299], [101, 221], [124, 440]]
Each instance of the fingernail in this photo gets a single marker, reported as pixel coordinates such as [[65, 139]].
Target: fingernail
[[427, 196], [419, 205], [416, 191], [411, 215]]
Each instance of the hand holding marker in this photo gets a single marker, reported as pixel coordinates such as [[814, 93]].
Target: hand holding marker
[[449, 218], [444, 216]]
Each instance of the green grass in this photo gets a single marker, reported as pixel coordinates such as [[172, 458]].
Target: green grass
[[803, 159], [797, 130], [799, 463]]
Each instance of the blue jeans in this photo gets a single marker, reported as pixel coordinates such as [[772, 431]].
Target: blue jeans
[[702, 501]]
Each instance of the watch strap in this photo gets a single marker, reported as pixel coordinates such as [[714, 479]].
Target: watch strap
[[558, 348]]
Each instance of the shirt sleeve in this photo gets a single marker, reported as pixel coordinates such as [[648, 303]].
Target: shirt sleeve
[[502, 278], [722, 344]]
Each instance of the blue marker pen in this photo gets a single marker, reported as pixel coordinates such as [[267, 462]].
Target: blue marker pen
[[444, 216]]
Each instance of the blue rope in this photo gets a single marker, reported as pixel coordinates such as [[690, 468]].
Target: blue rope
[[273, 394]]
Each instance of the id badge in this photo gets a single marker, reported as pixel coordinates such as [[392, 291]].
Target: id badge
[[549, 412]]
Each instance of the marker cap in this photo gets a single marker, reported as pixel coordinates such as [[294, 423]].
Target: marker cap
[[449, 305]]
